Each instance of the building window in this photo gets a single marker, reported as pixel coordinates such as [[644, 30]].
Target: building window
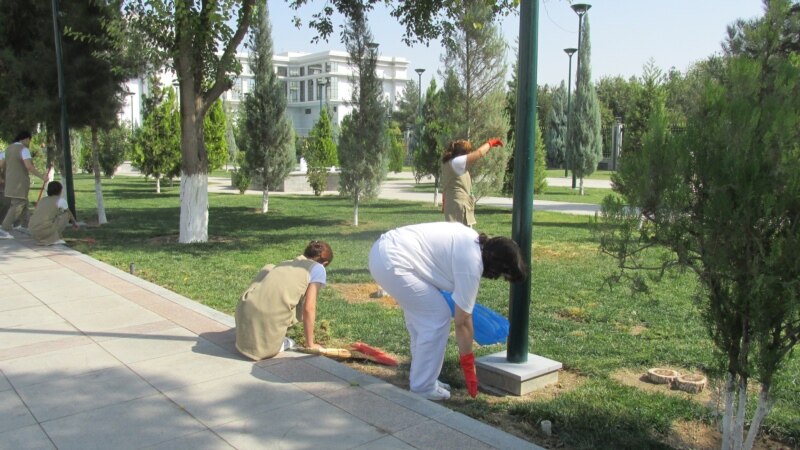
[[302, 71], [236, 92], [302, 91], [314, 69], [331, 67], [281, 71], [294, 91], [333, 88], [251, 84], [308, 110], [310, 90], [294, 72]]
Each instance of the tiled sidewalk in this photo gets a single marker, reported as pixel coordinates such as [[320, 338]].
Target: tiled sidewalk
[[93, 357]]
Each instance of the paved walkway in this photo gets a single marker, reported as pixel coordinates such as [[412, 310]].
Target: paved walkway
[[93, 357], [400, 186]]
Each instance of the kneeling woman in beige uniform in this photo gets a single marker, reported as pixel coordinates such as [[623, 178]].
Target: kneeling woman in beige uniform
[[51, 217], [279, 297]]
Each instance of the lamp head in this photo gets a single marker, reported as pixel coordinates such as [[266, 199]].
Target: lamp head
[[570, 51], [419, 71], [372, 45], [580, 8]]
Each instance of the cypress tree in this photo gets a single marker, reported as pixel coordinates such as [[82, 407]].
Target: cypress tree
[[268, 137]]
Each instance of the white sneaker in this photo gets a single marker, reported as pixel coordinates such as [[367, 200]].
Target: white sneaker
[[443, 385], [21, 229], [5, 235], [437, 394], [288, 344]]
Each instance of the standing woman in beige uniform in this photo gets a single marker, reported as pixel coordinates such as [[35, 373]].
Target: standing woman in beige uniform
[[458, 203]]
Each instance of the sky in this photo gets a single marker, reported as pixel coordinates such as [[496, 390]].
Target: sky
[[625, 35]]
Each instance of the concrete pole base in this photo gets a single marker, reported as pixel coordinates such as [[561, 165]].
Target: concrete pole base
[[499, 375]]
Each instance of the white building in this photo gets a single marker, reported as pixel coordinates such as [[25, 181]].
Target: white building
[[309, 80]]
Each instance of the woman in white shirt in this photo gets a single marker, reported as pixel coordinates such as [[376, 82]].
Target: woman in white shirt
[[458, 203], [413, 263]]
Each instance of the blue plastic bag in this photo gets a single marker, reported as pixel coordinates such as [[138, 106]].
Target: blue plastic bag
[[489, 326]]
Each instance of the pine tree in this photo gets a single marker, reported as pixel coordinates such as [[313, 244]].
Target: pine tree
[[585, 142], [397, 152], [363, 143], [428, 157], [321, 153], [157, 141], [267, 134], [214, 131], [556, 130]]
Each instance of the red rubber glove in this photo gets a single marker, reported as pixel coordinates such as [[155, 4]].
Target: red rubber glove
[[468, 367], [494, 142]]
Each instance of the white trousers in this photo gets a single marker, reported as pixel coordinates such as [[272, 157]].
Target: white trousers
[[426, 314]]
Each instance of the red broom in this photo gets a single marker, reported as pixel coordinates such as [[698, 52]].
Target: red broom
[[373, 354]]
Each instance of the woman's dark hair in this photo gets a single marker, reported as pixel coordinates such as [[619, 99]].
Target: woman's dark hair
[[22, 135], [54, 188], [502, 257], [319, 251], [456, 148]]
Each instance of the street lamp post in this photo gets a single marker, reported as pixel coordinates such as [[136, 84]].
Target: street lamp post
[[65, 147], [130, 99], [580, 9], [569, 51], [419, 71]]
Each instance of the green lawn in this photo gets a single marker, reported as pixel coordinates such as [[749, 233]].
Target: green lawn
[[595, 332], [597, 175]]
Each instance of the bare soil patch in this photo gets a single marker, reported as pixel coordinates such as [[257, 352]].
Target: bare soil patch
[[360, 293], [638, 379]]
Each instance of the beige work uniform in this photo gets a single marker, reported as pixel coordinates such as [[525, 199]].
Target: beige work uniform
[[272, 303], [459, 206], [48, 221], [17, 185]]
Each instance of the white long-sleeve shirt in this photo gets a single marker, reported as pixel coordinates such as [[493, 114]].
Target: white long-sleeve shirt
[[445, 254]]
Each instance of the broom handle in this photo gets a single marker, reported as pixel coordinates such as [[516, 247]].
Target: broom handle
[[44, 183]]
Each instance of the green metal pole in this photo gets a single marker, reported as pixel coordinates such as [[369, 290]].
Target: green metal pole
[[522, 214], [64, 128]]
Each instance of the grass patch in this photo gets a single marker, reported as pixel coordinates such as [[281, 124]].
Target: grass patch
[[551, 193], [597, 175], [614, 330]]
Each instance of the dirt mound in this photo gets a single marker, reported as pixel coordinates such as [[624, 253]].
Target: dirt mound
[[363, 293]]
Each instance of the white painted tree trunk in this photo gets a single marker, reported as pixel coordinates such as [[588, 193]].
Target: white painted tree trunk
[[158, 184], [738, 422], [764, 406], [101, 208], [436, 197], [581, 191], [98, 185], [727, 418], [194, 208], [265, 201], [355, 214]]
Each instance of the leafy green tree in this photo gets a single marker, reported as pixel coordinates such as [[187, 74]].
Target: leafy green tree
[[584, 142], [199, 42], [157, 141], [397, 151], [214, 130], [268, 137], [407, 109], [363, 142], [723, 197], [320, 153]]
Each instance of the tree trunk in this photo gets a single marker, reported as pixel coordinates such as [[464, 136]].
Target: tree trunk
[[265, 201], [581, 190], [741, 410], [158, 184], [98, 185], [764, 406], [727, 418], [194, 164], [355, 213]]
